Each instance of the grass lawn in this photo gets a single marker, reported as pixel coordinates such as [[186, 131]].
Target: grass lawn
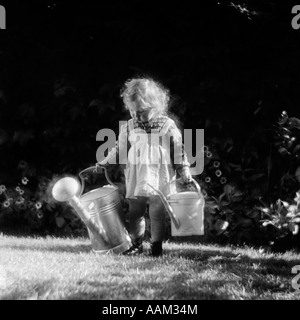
[[66, 268]]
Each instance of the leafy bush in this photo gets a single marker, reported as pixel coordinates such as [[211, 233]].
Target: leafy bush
[[244, 199], [282, 217], [28, 206]]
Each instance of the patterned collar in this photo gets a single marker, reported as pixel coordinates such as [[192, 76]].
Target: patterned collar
[[156, 124]]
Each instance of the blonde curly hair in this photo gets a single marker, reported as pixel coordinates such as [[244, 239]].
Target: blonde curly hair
[[147, 93]]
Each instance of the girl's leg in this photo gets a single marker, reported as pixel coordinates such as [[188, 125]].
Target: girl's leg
[[136, 223], [157, 214]]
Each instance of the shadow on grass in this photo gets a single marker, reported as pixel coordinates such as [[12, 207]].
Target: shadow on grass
[[30, 291], [173, 289], [230, 259], [236, 270], [78, 248], [251, 272]]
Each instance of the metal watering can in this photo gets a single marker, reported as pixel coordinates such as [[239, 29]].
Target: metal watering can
[[186, 211], [99, 209]]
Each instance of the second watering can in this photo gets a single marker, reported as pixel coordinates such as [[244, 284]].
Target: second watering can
[[186, 211]]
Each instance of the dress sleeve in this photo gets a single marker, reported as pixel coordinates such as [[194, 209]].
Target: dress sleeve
[[119, 151], [178, 155]]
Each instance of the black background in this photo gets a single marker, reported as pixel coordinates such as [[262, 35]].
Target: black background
[[229, 63]]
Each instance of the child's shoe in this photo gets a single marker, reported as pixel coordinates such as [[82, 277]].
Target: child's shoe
[[135, 249], [156, 249]]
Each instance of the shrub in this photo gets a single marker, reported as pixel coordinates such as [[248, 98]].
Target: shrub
[[28, 206], [244, 199]]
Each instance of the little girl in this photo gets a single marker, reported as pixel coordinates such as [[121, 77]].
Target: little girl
[[148, 162]]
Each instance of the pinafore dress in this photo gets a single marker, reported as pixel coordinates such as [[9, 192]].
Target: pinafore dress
[[149, 162]]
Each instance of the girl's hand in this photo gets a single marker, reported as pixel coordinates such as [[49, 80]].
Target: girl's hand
[[99, 166], [186, 176]]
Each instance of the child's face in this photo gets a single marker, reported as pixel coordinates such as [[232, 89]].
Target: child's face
[[139, 113]]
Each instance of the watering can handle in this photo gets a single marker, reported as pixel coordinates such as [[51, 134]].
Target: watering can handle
[[92, 170], [197, 187]]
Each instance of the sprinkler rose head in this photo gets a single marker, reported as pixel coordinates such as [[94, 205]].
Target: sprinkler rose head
[[65, 188]]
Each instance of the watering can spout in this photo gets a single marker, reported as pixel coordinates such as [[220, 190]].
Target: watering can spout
[[167, 206], [66, 189]]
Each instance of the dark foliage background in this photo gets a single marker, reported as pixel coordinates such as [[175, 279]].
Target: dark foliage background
[[232, 68]]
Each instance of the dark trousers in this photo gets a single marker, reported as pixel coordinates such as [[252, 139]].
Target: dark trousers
[[157, 215]]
